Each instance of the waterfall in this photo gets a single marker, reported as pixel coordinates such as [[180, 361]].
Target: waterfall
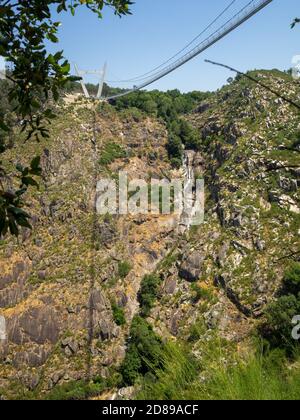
[[189, 195]]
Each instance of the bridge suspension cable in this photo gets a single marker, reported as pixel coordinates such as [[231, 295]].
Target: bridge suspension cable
[[146, 75], [251, 9]]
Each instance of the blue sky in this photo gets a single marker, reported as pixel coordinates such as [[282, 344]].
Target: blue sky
[[157, 29]]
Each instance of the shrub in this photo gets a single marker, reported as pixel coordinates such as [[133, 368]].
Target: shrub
[[176, 163], [111, 152], [77, 390], [189, 135], [277, 328], [197, 331], [142, 351], [124, 269], [198, 292], [131, 366], [174, 147], [258, 378], [148, 293], [134, 114], [119, 315], [291, 281]]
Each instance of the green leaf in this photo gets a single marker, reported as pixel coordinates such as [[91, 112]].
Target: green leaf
[[74, 78], [18, 212], [13, 227], [24, 223], [51, 60], [61, 7], [65, 69], [35, 104], [53, 38]]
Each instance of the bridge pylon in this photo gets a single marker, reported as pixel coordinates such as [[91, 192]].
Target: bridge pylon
[[101, 73]]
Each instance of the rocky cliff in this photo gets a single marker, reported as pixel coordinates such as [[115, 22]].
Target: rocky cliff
[[63, 284]]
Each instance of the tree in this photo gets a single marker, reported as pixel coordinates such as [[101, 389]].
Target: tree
[[175, 148], [291, 280], [277, 329], [148, 293], [35, 78], [278, 316], [143, 351]]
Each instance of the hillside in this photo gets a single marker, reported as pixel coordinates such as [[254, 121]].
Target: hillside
[[74, 289]]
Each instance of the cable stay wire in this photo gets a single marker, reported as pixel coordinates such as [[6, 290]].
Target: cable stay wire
[[237, 20], [206, 39], [146, 75]]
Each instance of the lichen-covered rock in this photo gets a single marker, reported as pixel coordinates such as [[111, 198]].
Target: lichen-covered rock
[[191, 267]]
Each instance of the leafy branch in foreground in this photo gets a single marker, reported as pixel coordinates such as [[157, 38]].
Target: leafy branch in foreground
[[35, 80], [11, 213]]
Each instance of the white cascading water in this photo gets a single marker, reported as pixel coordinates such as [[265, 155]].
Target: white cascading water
[[189, 196]]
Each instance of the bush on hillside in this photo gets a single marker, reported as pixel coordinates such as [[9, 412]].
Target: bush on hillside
[[277, 327], [143, 348], [124, 268], [259, 378], [148, 293], [168, 106], [111, 152], [118, 314], [291, 281]]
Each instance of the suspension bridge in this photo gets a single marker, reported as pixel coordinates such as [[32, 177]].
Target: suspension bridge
[[238, 19]]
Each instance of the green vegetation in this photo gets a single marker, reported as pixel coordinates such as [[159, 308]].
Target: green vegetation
[[148, 293], [277, 328], [12, 215], [291, 280], [76, 390], [201, 293], [164, 105], [124, 268], [168, 106], [197, 331], [180, 377], [35, 80], [119, 315], [143, 348], [168, 261], [111, 152], [171, 372]]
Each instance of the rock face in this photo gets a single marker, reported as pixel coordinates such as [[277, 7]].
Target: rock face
[[61, 286], [251, 216], [190, 269], [13, 280], [37, 325]]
